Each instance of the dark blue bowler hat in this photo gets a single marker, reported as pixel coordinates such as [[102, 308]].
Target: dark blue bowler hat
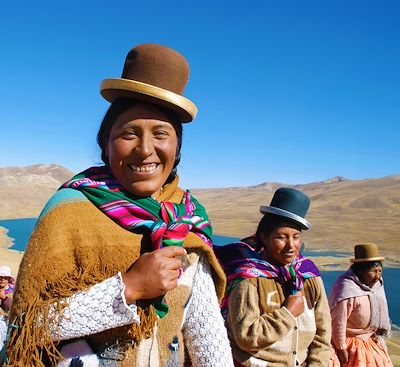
[[289, 203]]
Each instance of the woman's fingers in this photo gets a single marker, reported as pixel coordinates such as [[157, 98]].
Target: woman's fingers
[[154, 273], [174, 256], [173, 251]]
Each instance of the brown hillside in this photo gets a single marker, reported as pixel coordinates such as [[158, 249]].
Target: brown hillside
[[25, 190], [343, 212]]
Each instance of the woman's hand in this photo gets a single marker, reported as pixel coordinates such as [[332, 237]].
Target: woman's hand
[[153, 274], [2, 294], [343, 356], [295, 304]]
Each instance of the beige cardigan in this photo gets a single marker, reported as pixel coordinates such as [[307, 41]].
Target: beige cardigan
[[263, 333]]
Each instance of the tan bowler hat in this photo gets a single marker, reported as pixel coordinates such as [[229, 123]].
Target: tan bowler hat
[[156, 74], [366, 252]]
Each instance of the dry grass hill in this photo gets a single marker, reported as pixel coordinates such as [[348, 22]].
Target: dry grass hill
[[343, 212], [25, 190]]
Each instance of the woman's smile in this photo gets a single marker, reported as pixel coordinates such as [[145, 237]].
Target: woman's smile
[[288, 253], [143, 168], [141, 149]]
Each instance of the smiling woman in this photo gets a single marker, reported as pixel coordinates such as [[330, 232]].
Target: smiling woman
[[120, 269], [141, 147], [275, 306]]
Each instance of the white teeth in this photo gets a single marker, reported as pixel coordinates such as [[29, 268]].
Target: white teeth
[[143, 168]]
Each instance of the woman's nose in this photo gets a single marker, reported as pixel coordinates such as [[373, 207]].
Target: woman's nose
[[290, 242], [145, 146]]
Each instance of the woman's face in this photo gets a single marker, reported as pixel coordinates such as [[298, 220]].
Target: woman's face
[[4, 282], [371, 276], [141, 149], [283, 244]]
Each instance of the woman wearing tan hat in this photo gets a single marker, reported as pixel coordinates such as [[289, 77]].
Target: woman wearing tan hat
[[360, 317], [275, 307], [120, 269]]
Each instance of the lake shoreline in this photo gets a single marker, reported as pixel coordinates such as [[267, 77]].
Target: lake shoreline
[[327, 261]]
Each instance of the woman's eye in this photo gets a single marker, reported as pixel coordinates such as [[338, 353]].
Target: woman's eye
[[161, 133], [128, 134]]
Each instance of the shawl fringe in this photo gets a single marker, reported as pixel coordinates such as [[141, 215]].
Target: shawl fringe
[[28, 344]]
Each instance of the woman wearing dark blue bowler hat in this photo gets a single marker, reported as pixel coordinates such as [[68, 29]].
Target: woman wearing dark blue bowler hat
[[275, 307]]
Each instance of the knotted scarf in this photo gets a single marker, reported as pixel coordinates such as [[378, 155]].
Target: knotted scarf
[[240, 261], [167, 223]]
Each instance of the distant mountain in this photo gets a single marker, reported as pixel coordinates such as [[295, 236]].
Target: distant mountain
[[25, 190], [343, 212], [334, 179]]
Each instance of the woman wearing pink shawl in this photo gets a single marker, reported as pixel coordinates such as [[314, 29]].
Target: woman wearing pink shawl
[[360, 317]]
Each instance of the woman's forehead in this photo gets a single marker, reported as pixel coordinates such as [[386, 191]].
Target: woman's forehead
[[143, 112], [287, 226]]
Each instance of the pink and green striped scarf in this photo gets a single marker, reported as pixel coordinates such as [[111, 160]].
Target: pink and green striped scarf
[[240, 261], [167, 223]]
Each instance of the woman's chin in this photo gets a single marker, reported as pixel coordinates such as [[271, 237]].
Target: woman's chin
[[144, 188], [286, 260]]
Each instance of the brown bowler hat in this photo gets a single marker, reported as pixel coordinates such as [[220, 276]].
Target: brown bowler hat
[[366, 252], [156, 74]]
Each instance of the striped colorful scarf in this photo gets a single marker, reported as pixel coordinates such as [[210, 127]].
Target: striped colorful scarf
[[240, 261], [167, 223], [10, 288]]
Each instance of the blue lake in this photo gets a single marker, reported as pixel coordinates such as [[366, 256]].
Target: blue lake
[[21, 229]]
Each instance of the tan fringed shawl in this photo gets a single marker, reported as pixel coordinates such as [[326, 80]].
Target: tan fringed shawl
[[73, 247]]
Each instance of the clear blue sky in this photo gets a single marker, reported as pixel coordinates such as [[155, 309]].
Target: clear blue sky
[[288, 91]]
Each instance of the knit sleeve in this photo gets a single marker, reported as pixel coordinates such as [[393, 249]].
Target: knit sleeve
[[102, 306], [204, 331], [252, 330], [3, 330], [340, 314], [319, 351]]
